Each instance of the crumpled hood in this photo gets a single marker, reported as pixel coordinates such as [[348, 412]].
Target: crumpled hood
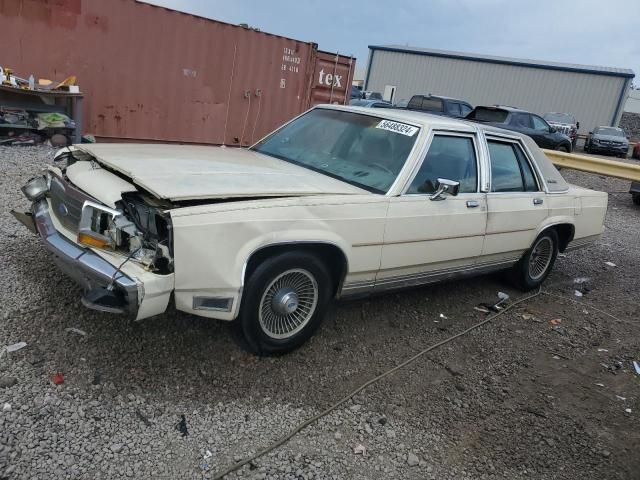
[[187, 172]]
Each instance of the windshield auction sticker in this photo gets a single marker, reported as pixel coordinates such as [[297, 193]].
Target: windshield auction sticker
[[397, 127]]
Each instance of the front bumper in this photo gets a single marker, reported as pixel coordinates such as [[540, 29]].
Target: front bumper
[[609, 148], [84, 266]]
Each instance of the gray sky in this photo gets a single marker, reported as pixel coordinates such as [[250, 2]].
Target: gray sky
[[592, 32]]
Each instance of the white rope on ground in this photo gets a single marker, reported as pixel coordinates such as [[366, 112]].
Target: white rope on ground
[[347, 397], [586, 304]]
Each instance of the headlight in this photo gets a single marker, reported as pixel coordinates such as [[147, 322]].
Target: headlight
[[96, 226], [35, 188]]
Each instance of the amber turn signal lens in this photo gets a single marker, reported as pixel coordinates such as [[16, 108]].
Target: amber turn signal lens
[[91, 241]]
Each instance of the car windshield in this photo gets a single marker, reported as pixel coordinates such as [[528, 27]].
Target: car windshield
[[363, 150], [488, 115], [614, 132], [560, 118]]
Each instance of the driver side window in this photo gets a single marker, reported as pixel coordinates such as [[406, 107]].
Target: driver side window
[[451, 157], [539, 124]]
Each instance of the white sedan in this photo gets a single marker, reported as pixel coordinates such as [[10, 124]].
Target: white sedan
[[341, 201]]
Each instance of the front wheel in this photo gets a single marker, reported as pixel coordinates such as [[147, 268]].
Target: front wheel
[[636, 198], [534, 267], [284, 302], [564, 148]]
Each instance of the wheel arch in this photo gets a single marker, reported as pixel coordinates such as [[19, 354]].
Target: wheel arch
[[565, 232], [330, 253]]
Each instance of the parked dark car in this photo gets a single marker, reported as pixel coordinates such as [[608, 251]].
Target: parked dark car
[[438, 105], [607, 140], [370, 103], [521, 121], [635, 192], [564, 123]]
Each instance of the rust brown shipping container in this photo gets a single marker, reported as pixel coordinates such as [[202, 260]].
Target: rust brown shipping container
[[332, 78], [150, 73]]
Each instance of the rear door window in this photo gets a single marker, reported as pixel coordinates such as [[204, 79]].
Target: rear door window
[[510, 169], [521, 120], [454, 108]]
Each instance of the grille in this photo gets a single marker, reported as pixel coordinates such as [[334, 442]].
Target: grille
[[565, 129], [67, 202]]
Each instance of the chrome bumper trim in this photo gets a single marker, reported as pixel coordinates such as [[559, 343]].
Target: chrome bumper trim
[[81, 264]]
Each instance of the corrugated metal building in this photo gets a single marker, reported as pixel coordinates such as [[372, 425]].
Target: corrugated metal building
[[595, 95]]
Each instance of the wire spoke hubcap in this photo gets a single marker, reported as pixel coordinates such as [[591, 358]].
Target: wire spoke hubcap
[[540, 258], [288, 303]]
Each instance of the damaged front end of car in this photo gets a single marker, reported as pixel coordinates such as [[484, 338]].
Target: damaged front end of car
[[122, 256]]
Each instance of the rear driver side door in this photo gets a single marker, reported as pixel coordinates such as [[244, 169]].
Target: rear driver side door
[[516, 201]]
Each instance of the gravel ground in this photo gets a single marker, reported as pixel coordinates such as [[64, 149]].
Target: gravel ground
[[174, 397]]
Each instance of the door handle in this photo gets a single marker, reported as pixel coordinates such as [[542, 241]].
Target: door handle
[[473, 204], [538, 201]]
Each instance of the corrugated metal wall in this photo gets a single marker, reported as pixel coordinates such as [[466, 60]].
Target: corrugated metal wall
[[149, 73], [593, 99], [633, 102]]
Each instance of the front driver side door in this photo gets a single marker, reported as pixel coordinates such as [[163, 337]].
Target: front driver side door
[[542, 133], [426, 240]]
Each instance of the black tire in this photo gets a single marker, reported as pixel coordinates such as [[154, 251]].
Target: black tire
[[528, 274], [264, 330], [586, 148], [636, 198], [564, 148]]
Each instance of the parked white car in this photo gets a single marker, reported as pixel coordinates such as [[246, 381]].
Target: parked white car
[[341, 201]]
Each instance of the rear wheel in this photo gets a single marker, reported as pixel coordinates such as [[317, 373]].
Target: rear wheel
[[284, 302], [534, 267]]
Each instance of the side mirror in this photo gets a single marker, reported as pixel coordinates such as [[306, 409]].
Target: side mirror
[[445, 186], [553, 130], [590, 133]]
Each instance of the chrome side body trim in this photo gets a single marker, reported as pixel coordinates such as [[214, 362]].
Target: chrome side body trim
[[423, 278], [81, 264]]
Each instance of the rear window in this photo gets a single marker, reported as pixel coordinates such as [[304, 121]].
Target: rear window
[[488, 115], [429, 104]]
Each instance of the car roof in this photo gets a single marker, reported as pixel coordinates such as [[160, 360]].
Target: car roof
[[552, 178], [442, 97], [423, 119], [506, 108]]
